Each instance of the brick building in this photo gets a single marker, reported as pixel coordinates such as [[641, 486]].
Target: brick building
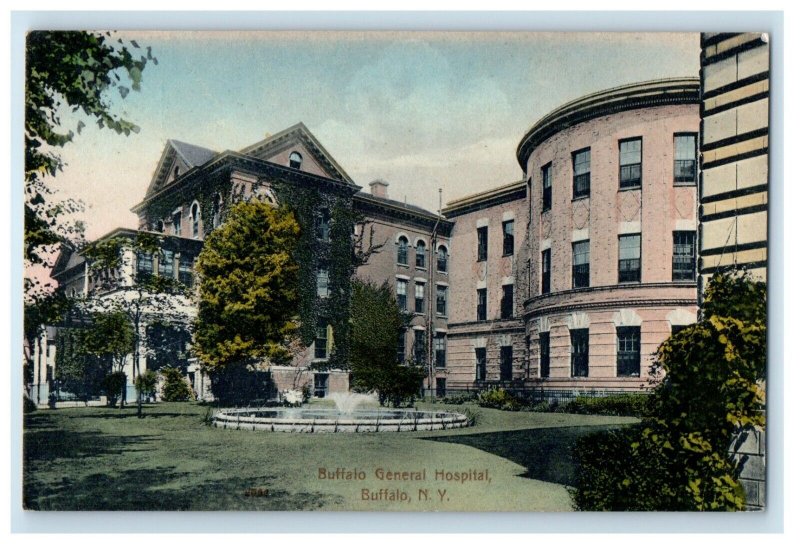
[[564, 281], [613, 206]]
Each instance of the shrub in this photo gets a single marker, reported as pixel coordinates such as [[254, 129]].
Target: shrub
[[114, 386], [175, 388], [28, 405], [146, 383], [459, 399], [677, 458], [500, 399], [630, 404]]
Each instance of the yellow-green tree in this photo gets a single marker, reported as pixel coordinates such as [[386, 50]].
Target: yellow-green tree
[[248, 287]]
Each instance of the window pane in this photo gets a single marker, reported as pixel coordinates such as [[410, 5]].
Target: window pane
[[166, 264], [683, 255], [402, 250], [545, 271], [581, 162], [630, 246], [441, 300], [505, 363], [579, 339], [685, 147], [481, 304], [441, 262], [508, 238], [483, 240], [544, 355], [480, 364], [628, 358], [420, 262], [630, 152], [419, 298]]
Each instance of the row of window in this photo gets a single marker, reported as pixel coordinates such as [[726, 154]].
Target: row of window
[[630, 167], [506, 358], [508, 240], [401, 290], [628, 352], [419, 254], [506, 303], [419, 349], [629, 262], [166, 266]]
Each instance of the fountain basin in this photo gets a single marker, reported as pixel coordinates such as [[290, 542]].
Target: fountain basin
[[317, 420]]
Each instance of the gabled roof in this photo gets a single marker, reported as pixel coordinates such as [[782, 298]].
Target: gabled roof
[[300, 132], [68, 258], [191, 155]]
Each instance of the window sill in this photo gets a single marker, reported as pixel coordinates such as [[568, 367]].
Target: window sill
[[577, 198], [630, 282], [401, 265], [684, 183], [508, 254], [418, 269], [625, 189]]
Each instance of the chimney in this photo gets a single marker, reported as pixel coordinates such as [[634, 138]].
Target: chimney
[[378, 188]]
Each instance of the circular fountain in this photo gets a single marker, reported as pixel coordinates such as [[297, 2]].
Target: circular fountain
[[347, 417]]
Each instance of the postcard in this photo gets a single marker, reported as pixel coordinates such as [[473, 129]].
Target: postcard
[[395, 271]]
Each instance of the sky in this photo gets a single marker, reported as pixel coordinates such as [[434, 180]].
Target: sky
[[419, 110]]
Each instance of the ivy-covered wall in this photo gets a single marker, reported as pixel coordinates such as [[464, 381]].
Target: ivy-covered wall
[[307, 200]]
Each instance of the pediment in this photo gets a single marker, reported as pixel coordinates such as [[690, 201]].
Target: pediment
[[278, 148], [176, 159]]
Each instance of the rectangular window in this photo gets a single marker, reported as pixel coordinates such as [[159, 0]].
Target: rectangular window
[[185, 274], [480, 364], [630, 258], [419, 346], [481, 304], [547, 187], [581, 173], [628, 349], [320, 385], [683, 255], [402, 294], [322, 281], [544, 354], [508, 238], [545, 271], [323, 225], [685, 159], [440, 349], [176, 223], [321, 342], [505, 363], [580, 264], [507, 302], [630, 163], [441, 387], [401, 346], [441, 300], [483, 243], [144, 265], [166, 264], [579, 340], [441, 259], [419, 298]]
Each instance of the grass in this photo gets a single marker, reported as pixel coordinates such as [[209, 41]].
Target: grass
[[107, 459]]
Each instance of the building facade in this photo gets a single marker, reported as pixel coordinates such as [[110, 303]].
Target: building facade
[[563, 282], [612, 181], [734, 151]]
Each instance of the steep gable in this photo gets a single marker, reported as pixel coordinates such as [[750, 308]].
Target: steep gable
[[316, 159], [178, 157]]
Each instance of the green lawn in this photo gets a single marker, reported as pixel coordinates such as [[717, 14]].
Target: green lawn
[[107, 459]]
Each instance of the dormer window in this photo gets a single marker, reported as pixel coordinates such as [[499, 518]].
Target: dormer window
[[195, 220], [295, 160], [176, 172], [159, 226]]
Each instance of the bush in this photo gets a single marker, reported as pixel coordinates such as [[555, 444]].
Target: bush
[[146, 383], [459, 399], [28, 405], [175, 388], [114, 386], [500, 399], [236, 384], [630, 404]]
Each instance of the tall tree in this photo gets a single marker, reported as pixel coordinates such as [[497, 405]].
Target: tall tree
[[376, 323], [248, 287], [143, 299], [68, 71]]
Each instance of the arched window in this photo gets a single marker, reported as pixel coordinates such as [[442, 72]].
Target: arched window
[[295, 160], [402, 250], [159, 226], [216, 209], [420, 262], [441, 259], [195, 220]]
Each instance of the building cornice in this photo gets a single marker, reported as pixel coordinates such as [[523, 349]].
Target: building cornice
[[486, 199], [660, 92], [259, 167], [386, 208]]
